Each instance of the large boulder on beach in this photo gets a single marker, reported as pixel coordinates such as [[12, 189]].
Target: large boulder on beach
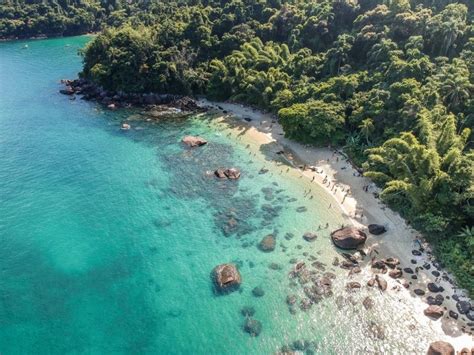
[[348, 238], [267, 244], [434, 311], [463, 307], [194, 141], [440, 348], [226, 277], [376, 229]]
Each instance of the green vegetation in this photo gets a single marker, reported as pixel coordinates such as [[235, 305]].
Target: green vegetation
[[390, 81]]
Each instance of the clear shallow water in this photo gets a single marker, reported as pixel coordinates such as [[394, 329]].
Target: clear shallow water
[[108, 238]]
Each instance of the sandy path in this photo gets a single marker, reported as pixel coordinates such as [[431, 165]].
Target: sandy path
[[362, 208]]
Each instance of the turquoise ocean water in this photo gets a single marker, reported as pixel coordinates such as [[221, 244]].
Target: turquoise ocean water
[[108, 237]]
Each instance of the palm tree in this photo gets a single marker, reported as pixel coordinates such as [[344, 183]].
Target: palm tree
[[467, 233], [366, 128]]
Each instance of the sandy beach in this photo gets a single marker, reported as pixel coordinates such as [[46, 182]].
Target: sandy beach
[[334, 173]]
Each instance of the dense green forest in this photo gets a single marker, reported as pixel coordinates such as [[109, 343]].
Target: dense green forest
[[391, 82]]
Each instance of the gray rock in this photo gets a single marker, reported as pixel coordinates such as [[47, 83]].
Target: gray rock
[[463, 307], [434, 287], [376, 229]]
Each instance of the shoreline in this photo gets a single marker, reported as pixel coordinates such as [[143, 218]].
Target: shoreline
[[361, 208], [43, 36]]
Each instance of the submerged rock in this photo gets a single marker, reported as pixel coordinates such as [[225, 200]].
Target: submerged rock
[[194, 141], [377, 330], [258, 292], [440, 348], [226, 278], [267, 244], [368, 303], [247, 311], [310, 237], [253, 327], [291, 299], [376, 229], [348, 238]]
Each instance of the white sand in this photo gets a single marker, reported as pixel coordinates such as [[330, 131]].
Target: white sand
[[398, 241]]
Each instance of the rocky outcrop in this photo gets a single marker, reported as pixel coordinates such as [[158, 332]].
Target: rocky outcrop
[[440, 348], [226, 278], [267, 244], [348, 238], [230, 173], [90, 91], [434, 312], [194, 141], [376, 229]]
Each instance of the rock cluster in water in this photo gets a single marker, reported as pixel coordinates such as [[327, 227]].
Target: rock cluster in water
[[194, 141], [229, 173], [226, 278]]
